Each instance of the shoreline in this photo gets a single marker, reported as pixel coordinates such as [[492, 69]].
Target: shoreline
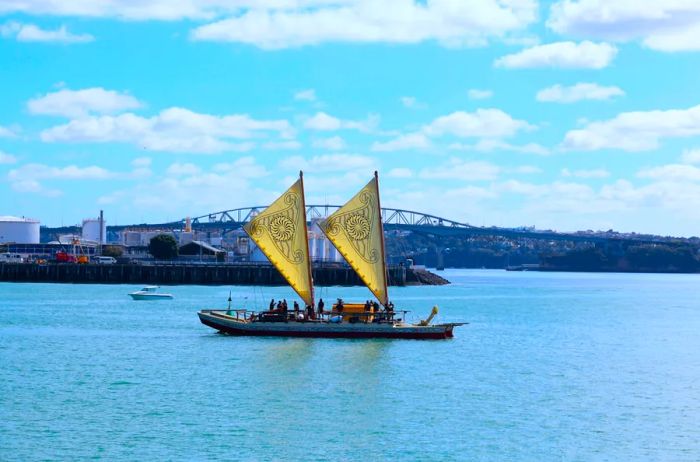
[[262, 275]]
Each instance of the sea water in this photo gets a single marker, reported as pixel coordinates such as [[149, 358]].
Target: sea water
[[552, 366]]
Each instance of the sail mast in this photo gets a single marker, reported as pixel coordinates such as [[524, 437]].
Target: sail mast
[[381, 232], [355, 229], [280, 232], [306, 233]]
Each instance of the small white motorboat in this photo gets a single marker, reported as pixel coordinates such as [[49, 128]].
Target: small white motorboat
[[149, 293]]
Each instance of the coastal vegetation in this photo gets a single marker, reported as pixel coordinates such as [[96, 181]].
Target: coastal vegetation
[[659, 258], [163, 247], [114, 251], [681, 256]]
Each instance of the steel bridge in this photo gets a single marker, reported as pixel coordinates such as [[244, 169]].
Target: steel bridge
[[390, 217], [227, 221]]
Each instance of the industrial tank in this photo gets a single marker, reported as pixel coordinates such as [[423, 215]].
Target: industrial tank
[[91, 230], [19, 230]]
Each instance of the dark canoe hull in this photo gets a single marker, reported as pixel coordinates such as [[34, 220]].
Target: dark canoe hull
[[230, 325]]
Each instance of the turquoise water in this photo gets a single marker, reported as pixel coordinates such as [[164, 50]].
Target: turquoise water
[[551, 367]]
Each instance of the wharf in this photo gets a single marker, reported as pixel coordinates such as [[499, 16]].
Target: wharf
[[183, 274]]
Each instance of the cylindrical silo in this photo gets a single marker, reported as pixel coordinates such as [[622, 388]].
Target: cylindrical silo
[[91, 230], [19, 230]]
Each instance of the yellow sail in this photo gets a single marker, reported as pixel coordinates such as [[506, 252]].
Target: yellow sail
[[280, 232], [356, 231]]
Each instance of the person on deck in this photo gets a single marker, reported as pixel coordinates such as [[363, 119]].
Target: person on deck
[[367, 305], [272, 304], [279, 305], [320, 306], [296, 307], [339, 305]]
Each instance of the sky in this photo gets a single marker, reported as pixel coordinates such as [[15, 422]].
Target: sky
[[566, 115]]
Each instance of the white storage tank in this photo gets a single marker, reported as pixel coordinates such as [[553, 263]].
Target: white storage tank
[[314, 247], [91, 230], [19, 230]]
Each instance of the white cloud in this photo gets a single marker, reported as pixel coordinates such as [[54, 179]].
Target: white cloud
[[325, 188], [412, 102], [671, 172], [322, 121], [619, 204], [33, 186], [141, 168], [7, 158], [182, 169], [37, 171], [288, 145], [28, 178], [635, 131], [463, 203], [580, 91], [593, 173], [6, 132], [475, 93], [400, 172], [408, 101], [174, 129], [520, 188], [469, 22], [143, 10], [329, 163], [79, 103], [325, 122], [566, 55], [458, 169], [402, 142], [247, 167], [613, 205], [305, 95], [526, 170], [488, 124], [33, 33], [141, 162], [224, 186], [334, 143], [673, 40], [483, 123], [490, 145], [669, 25], [691, 156]]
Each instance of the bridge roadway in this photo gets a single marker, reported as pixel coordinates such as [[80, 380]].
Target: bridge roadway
[[394, 219]]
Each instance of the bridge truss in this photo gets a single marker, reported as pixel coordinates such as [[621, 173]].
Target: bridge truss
[[228, 221], [240, 216]]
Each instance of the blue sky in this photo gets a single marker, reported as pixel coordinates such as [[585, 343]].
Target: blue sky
[[565, 115]]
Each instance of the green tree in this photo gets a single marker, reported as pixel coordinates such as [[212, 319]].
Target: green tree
[[163, 247], [112, 251]]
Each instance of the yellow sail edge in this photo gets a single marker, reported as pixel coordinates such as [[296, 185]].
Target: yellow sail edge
[[281, 233], [356, 231]]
